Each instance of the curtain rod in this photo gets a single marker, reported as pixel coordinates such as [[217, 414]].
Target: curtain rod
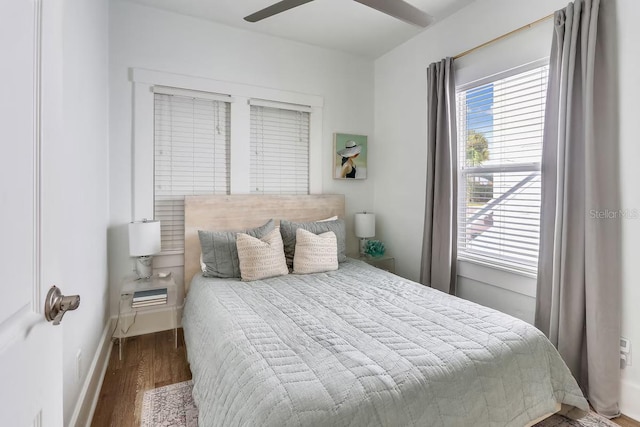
[[504, 36]]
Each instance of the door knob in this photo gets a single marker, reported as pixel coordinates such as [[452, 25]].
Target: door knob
[[56, 305]]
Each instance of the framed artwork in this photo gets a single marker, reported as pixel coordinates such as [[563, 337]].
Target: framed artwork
[[349, 156]]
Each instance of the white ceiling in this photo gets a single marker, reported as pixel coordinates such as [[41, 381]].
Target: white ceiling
[[335, 24]]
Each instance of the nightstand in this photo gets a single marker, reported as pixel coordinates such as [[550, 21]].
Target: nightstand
[[384, 262], [127, 314]]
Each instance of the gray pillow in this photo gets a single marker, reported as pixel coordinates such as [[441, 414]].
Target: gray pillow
[[288, 231], [219, 251]]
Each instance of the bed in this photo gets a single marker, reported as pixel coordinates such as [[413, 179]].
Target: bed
[[357, 346]]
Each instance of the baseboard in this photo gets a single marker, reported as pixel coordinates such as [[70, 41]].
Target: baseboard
[[146, 322], [630, 399], [88, 399]]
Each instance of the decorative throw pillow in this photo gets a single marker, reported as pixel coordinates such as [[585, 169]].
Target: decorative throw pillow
[[219, 253], [261, 258], [288, 231], [315, 253]]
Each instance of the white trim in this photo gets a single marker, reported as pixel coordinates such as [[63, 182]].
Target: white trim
[[315, 151], [143, 152], [503, 168], [240, 172], [630, 399], [503, 74], [280, 105], [512, 280], [90, 393], [37, 420], [144, 84], [169, 253], [37, 297], [524, 270], [191, 93], [485, 255], [150, 77]]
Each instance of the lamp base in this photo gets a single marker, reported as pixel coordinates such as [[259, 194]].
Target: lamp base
[[363, 245], [144, 267]]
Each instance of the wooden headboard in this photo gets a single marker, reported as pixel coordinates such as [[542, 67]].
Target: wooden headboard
[[239, 212]]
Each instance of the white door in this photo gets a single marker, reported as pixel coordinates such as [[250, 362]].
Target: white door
[[30, 100]]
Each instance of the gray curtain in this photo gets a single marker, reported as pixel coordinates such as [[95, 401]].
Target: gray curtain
[[439, 247], [578, 289]]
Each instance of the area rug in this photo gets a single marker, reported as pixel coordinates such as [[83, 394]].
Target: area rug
[[170, 406], [173, 406]]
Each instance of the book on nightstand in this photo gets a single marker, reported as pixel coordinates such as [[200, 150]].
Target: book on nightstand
[[148, 303], [150, 294], [148, 297]]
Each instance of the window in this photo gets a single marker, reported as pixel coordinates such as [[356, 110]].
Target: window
[[279, 150], [200, 142], [191, 156], [500, 128]]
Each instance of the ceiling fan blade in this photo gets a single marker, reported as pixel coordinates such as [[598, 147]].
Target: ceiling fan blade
[[401, 10], [274, 9]]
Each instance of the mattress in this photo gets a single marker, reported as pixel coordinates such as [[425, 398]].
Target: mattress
[[363, 347]]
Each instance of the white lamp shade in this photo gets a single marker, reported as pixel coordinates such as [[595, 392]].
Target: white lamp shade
[[365, 225], [144, 238]]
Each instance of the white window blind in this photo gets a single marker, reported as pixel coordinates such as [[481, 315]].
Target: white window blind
[[279, 161], [500, 128], [191, 147]]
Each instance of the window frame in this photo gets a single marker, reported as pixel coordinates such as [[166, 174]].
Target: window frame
[[206, 151], [240, 96], [503, 264], [271, 140]]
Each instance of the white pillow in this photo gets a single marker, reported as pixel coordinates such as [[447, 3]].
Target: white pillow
[[333, 218], [261, 258], [315, 253]]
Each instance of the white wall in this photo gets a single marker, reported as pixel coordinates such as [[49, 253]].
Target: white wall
[[142, 37], [400, 129], [82, 187]]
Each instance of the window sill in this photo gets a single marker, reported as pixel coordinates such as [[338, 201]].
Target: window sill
[[169, 260], [506, 267], [165, 253], [514, 280]]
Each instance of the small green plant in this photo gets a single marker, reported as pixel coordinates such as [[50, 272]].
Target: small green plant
[[374, 248]]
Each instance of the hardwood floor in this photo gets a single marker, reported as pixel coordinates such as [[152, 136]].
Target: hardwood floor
[[626, 421], [148, 361]]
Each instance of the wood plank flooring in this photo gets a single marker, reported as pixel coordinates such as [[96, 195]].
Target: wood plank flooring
[[625, 421], [150, 361]]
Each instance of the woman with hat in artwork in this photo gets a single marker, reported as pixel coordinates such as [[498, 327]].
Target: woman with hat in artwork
[[350, 152]]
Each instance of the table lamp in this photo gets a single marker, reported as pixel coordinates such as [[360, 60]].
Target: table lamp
[[365, 228], [144, 242]]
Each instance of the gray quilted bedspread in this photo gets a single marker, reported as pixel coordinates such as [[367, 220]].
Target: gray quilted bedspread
[[362, 347]]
